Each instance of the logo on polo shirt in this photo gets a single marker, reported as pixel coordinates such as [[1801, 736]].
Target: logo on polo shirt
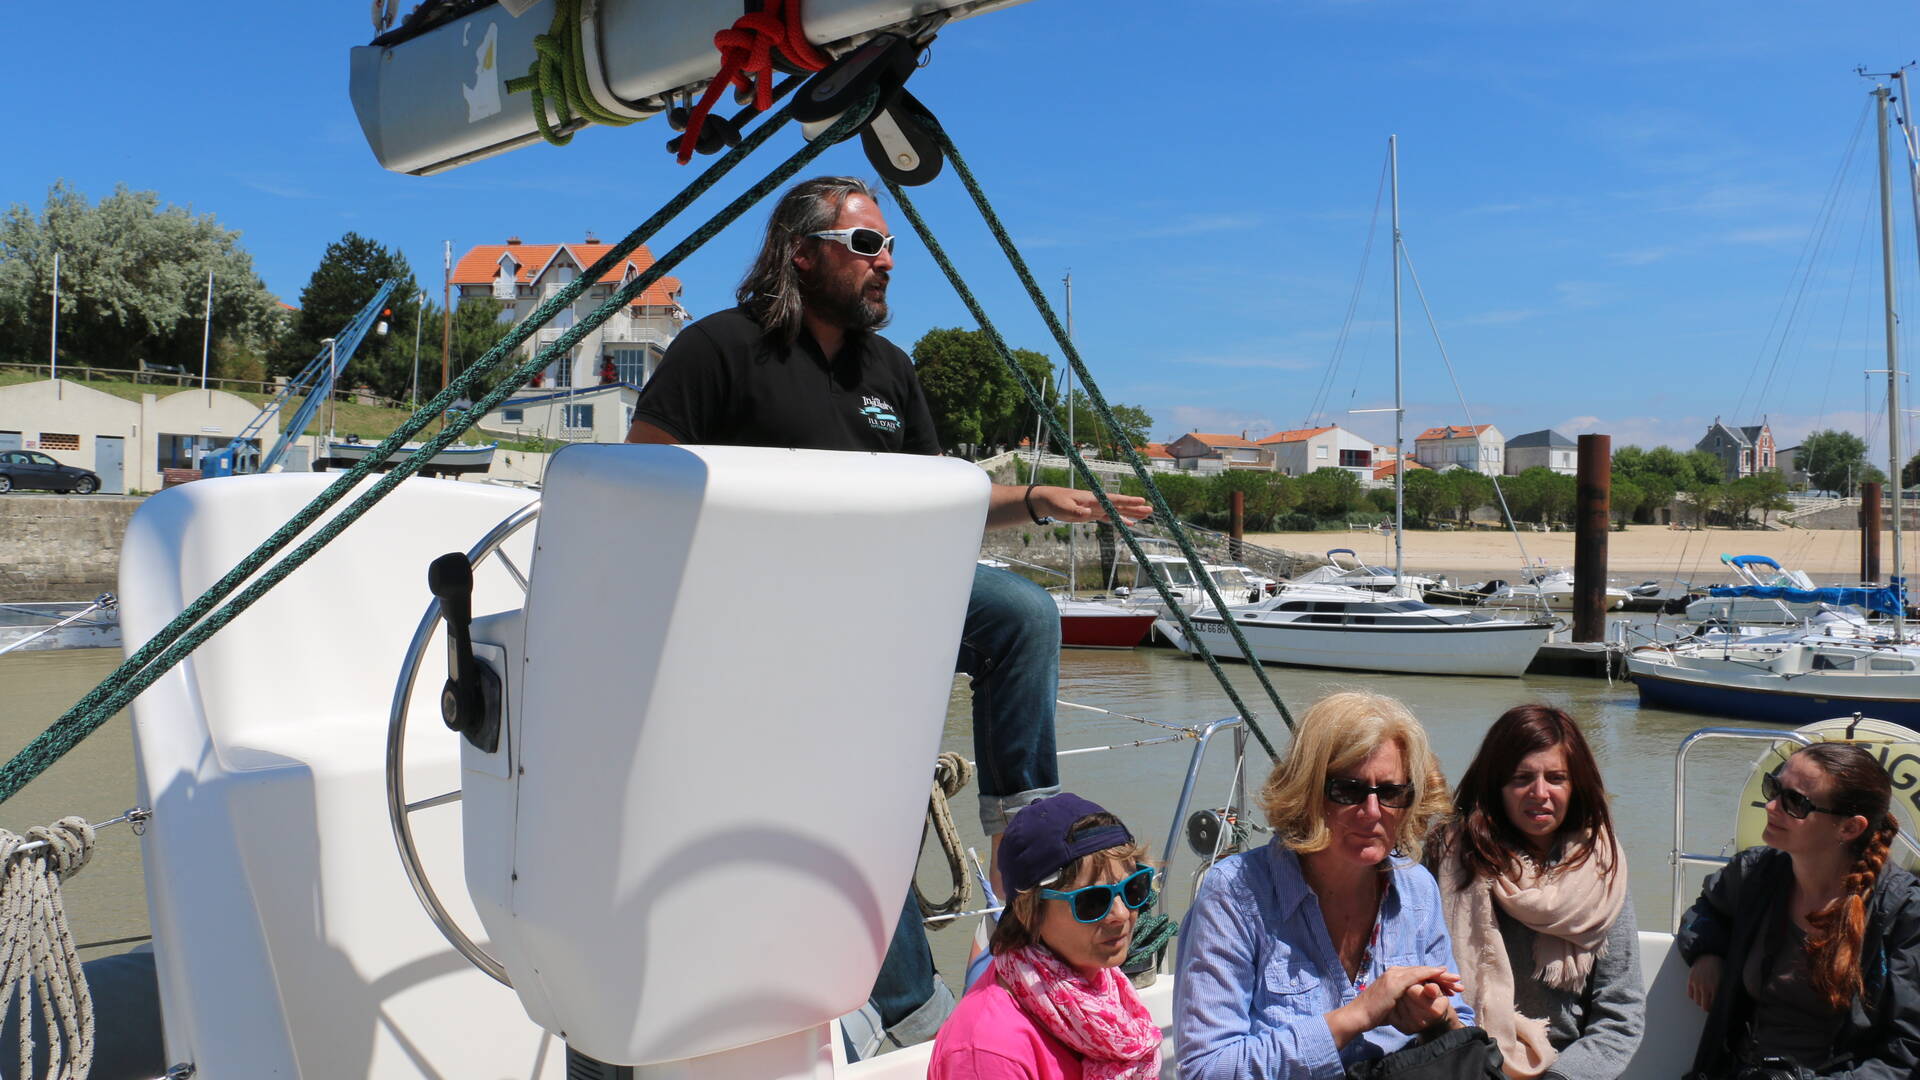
[[879, 414]]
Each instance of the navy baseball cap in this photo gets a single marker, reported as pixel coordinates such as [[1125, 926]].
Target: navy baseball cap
[[1035, 845]]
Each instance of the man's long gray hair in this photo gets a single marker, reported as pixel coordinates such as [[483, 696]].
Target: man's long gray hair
[[771, 290]]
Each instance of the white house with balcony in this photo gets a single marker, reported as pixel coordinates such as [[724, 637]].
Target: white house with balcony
[[1307, 450], [625, 349], [1480, 447]]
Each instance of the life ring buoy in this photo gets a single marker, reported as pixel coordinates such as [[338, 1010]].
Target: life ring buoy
[[1898, 749]]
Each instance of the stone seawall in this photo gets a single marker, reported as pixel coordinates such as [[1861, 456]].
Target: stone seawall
[[61, 547]]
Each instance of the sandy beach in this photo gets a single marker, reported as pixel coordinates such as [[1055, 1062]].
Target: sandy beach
[[1640, 553]]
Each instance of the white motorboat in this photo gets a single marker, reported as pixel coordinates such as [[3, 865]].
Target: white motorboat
[[1753, 605], [1356, 574], [1229, 580], [1332, 626], [1549, 589]]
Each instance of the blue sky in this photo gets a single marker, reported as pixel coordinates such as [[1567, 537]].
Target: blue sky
[[1610, 204]]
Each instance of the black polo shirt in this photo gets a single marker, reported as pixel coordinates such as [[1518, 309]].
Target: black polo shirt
[[723, 382]]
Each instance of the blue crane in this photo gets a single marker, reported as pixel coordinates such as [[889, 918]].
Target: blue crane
[[316, 381]]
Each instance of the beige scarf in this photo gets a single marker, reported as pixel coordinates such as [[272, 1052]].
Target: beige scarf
[[1569, 911]]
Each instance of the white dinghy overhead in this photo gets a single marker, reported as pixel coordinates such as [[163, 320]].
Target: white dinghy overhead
[[436, 98]]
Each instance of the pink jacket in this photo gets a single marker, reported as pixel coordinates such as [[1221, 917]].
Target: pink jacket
[[989, 1037]]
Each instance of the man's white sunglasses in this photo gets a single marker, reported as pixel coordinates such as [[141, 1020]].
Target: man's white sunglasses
[[867, 242]]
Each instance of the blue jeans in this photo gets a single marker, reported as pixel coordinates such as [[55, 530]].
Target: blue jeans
[[1010, 647]]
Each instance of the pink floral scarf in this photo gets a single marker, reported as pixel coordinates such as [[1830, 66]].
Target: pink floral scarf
[[1102, 1020]]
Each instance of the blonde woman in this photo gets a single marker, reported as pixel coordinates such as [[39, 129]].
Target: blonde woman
[[1325, 948]]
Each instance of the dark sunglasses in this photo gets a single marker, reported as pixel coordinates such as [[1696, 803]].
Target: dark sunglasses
[[867, 242], [1092, 903], [1792, 803], [1347, 791]]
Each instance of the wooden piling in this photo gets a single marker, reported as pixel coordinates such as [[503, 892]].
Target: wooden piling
[[1869, 533], [1593, 495]]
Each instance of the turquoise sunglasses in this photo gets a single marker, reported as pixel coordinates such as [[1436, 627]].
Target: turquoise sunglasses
[[1092, 903]]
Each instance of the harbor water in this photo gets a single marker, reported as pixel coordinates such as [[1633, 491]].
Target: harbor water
[[1635, 747]]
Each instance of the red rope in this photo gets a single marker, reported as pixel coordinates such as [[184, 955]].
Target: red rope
[[746, 48]]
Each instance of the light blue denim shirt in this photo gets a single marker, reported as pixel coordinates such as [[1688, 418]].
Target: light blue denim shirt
[[1258, 972]]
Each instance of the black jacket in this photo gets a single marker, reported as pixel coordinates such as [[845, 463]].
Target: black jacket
[[1879, 1038]]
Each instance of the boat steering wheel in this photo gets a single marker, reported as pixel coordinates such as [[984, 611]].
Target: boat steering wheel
[[399, 810]]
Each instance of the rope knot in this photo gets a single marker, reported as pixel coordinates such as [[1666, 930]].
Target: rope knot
[[951, 772], [746, 62], [69, 845]]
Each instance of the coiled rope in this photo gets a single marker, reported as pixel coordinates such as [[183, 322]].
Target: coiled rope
[[558, 74], [747, 48], [37, 954], [951, 772], [199, 619]]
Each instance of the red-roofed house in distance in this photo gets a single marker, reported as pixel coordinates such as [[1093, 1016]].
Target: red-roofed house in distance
[[1480, 447], [1305, 450], [1156, 456], [1199, 451], [589, 394], [1384, 468]]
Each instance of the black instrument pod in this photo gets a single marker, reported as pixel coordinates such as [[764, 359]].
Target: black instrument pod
[[884, 61]]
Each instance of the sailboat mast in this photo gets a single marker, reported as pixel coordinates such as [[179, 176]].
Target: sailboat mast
[[1399, 407], [1881, 94], [1073, 552]]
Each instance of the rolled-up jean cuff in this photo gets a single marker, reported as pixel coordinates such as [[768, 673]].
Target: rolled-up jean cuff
[[995, 810]]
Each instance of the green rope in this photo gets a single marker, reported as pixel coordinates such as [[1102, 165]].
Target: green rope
[[1133, 458], [1140, 470], [186, 632], [1152, 932], [1073, 455], [559, 74]]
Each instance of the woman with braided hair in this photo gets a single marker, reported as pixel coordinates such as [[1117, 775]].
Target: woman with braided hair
[[1806, 952]]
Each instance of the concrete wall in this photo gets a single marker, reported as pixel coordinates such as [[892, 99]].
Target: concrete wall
[[60, 547]]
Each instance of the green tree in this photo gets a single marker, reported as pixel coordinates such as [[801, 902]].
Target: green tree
[[1267, 495], [1426, 493], [1834, 460], [477, 327], [1624, 498], [349, 273], [1330, 491], [133, 283], [975, 400], [1910, 472], [1467, 491]]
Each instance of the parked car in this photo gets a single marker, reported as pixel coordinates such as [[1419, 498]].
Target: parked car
[[31, 469]]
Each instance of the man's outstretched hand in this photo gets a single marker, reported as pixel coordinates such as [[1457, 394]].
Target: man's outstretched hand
[[1015, 504]]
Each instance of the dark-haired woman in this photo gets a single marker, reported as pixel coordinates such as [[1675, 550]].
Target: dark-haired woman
[[1053, 1005], [1535, 889], [1806, 952]]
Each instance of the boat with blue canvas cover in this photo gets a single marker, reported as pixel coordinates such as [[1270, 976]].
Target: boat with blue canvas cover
[[1784, 596]]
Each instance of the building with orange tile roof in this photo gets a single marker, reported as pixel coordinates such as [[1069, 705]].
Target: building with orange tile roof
[[1200, 451], [1304, 450], [624, 349], [1479, 447]]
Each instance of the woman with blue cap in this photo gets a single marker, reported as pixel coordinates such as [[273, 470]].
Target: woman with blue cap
[[1053, 1004]]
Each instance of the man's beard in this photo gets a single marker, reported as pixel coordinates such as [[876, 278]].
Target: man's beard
[[840, 303]]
